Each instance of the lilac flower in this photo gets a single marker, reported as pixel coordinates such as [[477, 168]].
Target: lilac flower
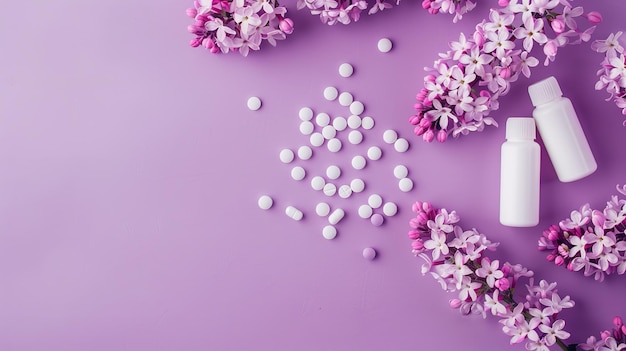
[[554, 332], [489, 271], [612, 76], [221, 30], [437, 243], [555, 304], [531, 32], [498, 42], [493, 304]]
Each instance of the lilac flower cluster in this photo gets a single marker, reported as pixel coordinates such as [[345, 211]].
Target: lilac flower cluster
[[609, 340], [464, 84], [237, 25], [613, 72], [457, 259], [590, 240], [347, 11]]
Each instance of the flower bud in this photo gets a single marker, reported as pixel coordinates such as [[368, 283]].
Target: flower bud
[[503, 284], [455, 303], [195, 42], [617, 321], [479, 38], [426, 4], [425, 122], [570, 266], [191, 12], [429, 136], [414, 234], [594, 17], [558, 26], [559, 260], [433, 11], [286, 25], [597, 218], [605, 334], [503, 3], [417, 245], [550, 257], [419, 130], [429, 79], [505, 73], [415, 119], [442, 136], [550, 49]]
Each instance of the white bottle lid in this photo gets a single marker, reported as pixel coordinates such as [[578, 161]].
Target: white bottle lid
[[544, 91], [520, 128]]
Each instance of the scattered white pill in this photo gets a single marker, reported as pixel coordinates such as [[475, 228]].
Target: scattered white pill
[[365, 211], [384, 45], [377, 219], [306, 127], [367, 122], [286, 156], [355, 137], [322, 209], [390, 136], [305, 152], [317, 183], [400, 171], [329, 232], [294, 213], [357, 107], [305, 114], [375, 201], [333, 172], [346, 70], [254, 103], [344, 191], [401, 145], [298, 173], [329, 189], [340, 123], [345, 99], [330, 93], [369, 253], [265, 202], [322, 119], [374, 153], [354, 121], [390, 209], [316, 139], [357, 185], [336, 216], [405, 184], [329, 132], [358, 162], [334, 145]]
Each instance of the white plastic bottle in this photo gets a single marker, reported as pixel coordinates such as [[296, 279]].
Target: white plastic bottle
[[561, 132], [519, 174]]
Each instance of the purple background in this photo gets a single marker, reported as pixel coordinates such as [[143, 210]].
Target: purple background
[[131, 168]]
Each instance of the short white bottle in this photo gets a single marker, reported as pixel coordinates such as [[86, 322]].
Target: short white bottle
[[519, 174], [561, 132]]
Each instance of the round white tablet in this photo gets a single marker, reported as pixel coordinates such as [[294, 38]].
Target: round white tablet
[[286, 156], [390, 136], [316, 139], [322, 209], [322, 119], [390, 209], [384, 45], [329, 232], [305, 114], [346, 70], [357, 185], [357, 107], [355, 137], [344, 191], [400, 171], [330, 189], [329, 132], [367, 122], [374, 153], [298, 173], [265, 202], [401, 145], [317, 183], [254, 103], [306, 127], [365, 211], [345, 99], [340, 123], [334, 145], [354, 121], [405, 184], [333, 172], [330, 93], [305, 152], [375, 201], [358, 162]]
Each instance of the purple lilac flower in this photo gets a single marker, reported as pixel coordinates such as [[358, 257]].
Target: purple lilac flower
[[612, 75]]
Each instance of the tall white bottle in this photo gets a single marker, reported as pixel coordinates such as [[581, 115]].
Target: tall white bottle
[[519, 174], [561, 132]]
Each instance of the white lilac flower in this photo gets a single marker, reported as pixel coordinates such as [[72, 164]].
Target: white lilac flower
[[531, 32], [610, 45], [554, 332], [489, 270], [498, 42], [556, 304], [493, 303], [437, 243]]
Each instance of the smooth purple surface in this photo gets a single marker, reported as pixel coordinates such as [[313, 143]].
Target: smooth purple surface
[[131, 168]]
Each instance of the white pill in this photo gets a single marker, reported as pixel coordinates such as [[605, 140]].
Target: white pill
[[354, 121], [400, 171], [330, 93], [384, 45], [356, 108], [329, 132], [345, 99], [298, 173], [254, 103], [405, 184], [365, 211], [316, 139], [333, 172], [336, 216], [355, 137], [322, 209], [305, 152], [265, 202], [357, 185], [322, 119], [367, 122], [346, 70], [390, 136], [401, 145], [374, 153], [329, 232], [390, 209], [294, 213], [306, 127], [358, 162], [344, 191], [317, 183], [375, 201], [330, 189], [286, 156], [340, 123], [334, 145], [305, 114]]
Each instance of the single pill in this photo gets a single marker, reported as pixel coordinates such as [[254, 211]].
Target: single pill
[[401, 145], [369, 253], [340, 123], [357, 185], [265, 202], [322, 119], [330, 189], [322, 209], [375, 201], [317, 183], [346, 70], [336, 216], [354, 121], [345, 191], [384, 45], [390, 209], [355, 137], [294, 213], [377, 219], [367, 122], [329, 132], [374, 153], [306, 127], [329, 232], [298, 173], [305, 152], [316, 139], [358, 162], [405, 184], [365, 211], [357, 107], [330, 93], [345, 99], [333, 172], [400, 171], [286, 156], [390, 136], [254, 103], [334, 145], [305, 114]]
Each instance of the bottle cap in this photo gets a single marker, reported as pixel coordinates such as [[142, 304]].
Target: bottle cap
[[544, 91], [520, 128]]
